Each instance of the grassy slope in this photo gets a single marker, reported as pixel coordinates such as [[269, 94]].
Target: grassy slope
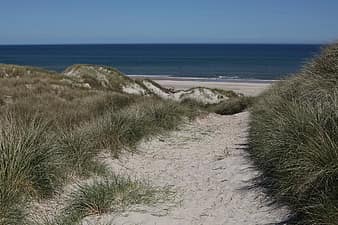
[[51, 131], [294, 140], [101, 77]]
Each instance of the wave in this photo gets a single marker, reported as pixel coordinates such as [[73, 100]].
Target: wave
[[215, 78]]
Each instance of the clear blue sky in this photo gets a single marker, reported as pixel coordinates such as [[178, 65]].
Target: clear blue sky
[[168, 21]]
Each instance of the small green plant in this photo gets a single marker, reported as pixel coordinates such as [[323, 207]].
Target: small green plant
[[104, 195]]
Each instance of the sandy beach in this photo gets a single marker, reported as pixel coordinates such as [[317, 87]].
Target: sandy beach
[[169, 112], [249, 88], [200, 167], [246, 88]]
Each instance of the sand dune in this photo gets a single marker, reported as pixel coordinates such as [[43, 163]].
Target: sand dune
[[203, 163], [246, 88]]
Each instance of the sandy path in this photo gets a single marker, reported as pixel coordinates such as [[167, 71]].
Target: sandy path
[[204, 164]]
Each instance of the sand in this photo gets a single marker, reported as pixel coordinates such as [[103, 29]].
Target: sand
[[205, 165], [246, 88], [205, 168]]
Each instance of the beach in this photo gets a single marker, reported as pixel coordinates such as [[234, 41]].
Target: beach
[[246, 87], [173, 161], [169, 113]]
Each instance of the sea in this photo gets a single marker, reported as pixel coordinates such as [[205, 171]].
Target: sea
[[257, 62]]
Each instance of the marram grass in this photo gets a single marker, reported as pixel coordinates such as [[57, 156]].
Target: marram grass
[[52, 130], [293, 139], [39, 153], [100, 196], [30, 165]]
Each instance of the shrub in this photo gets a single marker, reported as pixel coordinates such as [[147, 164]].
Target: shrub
[[294, 140], [235, 104], [232, 106]]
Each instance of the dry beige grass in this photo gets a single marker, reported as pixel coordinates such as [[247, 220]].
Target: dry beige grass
[[52, 128]]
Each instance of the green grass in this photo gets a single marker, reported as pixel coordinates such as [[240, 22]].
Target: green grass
[[40, 154], [103, 195], [79, 150], [232, 106], [123, 129], [101, 77], [8, 70], [52, 132], [294, 140], [29, 159], [30, 165]]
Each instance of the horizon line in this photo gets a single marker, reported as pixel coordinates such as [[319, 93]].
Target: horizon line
[[173, 43]]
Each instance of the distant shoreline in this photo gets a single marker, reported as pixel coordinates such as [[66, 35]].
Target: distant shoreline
[[246, 87], [206, 62], [202, 79]]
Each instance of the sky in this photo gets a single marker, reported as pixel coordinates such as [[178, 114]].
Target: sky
[[168, 21]]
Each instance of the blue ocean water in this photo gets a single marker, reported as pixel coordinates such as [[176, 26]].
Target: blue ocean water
[[227, 61]]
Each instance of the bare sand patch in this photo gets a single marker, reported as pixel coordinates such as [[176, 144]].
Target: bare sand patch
[[207, 168], [246, 88]]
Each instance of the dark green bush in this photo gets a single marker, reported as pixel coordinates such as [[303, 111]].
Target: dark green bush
[[293, 139]]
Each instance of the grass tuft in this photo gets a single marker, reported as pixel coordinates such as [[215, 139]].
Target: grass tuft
[[294, 140], [233, 105], [103, 195], [123, 129], [30, 165]]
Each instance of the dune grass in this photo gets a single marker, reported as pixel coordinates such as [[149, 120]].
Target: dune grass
[[294, 140], [233, 105], [103, 195], [39, 155], [150, 116], [50, 134], [101, 77], [53, 128], [29, 165]]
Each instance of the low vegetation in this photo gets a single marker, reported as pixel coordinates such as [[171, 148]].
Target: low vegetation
[[233, 105], [104, 77], [102, 195], [53, 128], [294, 140]]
